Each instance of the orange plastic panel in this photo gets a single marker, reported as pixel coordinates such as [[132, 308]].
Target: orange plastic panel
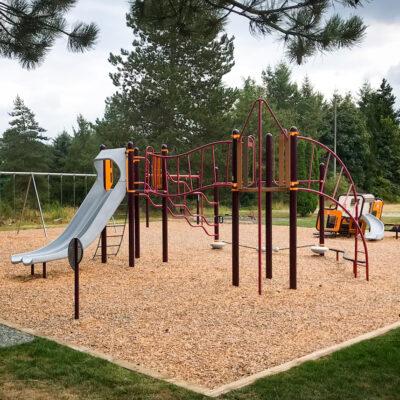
[[108, 175], [156, 176], [377, 208], [333, 219]]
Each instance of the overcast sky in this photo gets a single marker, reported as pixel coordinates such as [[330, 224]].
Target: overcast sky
[[68, 84]]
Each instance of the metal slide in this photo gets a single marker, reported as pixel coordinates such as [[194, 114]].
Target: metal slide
[[376, 227], [92, 216]]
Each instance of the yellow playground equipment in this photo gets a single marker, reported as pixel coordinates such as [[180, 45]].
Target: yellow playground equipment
[[339, 223]]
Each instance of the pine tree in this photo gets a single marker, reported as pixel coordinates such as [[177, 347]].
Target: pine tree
[[83, 148], [61, 148], [28, 29], [170, 85], [352, 138], [22, 147], [378, 107], [306, 27]]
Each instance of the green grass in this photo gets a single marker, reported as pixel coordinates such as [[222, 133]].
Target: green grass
[[46, 370]]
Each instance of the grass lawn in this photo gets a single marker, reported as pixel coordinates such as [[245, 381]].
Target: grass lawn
[[46, 370]]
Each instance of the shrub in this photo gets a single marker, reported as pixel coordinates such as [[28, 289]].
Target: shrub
[[306, 203]]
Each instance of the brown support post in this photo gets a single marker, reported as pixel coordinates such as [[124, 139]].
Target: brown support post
[[198, 202], [147, 213], [293, 208], [164, 152], [131, 205], [321, 206], [216, 207], [76, 280], [269, 160], [32, 269], [136, 200], [44, 270], [235, 210], [104, 231]]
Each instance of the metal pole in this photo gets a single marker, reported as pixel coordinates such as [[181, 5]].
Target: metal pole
[[216, 206], [293, 208], [104, 231], [61, 190], [39, 205], [164, 152], [269, 162], [147, 212], [44, 270], [48, 189], [259, 195], [32, 269], [321, 206], [235, 210], [334, 133], [74, 189], [131, 205], [76, 280], [136, 200], [15, 208]]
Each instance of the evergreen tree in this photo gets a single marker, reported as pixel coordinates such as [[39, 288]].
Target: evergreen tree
[[305, 26], [352, 138], [83, 148], [170, 85], [281, 92], [378, 107], [22, 147], [61, 148], [28, 29], [311, 110]]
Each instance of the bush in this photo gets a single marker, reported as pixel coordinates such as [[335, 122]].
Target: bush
[[306, 203]]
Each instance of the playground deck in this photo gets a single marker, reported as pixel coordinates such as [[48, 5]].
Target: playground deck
[[185, 320]]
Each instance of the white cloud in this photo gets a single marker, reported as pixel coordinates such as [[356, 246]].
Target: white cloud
[[68, 84]]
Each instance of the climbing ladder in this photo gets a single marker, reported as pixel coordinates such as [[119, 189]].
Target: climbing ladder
[[115, 234]]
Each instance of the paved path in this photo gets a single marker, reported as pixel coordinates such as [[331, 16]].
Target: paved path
[[12, 337]]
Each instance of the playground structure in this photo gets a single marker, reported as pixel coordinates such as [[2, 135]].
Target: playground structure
[[247, 163], [370, 211]]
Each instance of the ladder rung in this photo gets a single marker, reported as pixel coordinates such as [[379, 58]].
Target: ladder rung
[[113, 236], [115, 226]]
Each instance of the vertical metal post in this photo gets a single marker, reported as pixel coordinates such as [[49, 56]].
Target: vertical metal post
[[15, 209], [136, 202], [235, 210], [131, 205], [216, 206], [269, 162], [321, 206], [198, 202], [44, 270], [293, 209], [76, 280], [259, 194], [48, 189], [147, 212], [32, 269], [164, 152], [74, 190], [104, 231], [61, 190], [334, 133]]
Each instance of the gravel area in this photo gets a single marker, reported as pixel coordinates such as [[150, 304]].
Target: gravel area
[[185, 320], [12, 337]]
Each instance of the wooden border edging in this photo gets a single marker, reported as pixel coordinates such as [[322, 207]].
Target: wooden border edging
[[224, 388]]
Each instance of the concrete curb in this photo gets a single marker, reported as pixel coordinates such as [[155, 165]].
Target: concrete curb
[[224, 388]]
